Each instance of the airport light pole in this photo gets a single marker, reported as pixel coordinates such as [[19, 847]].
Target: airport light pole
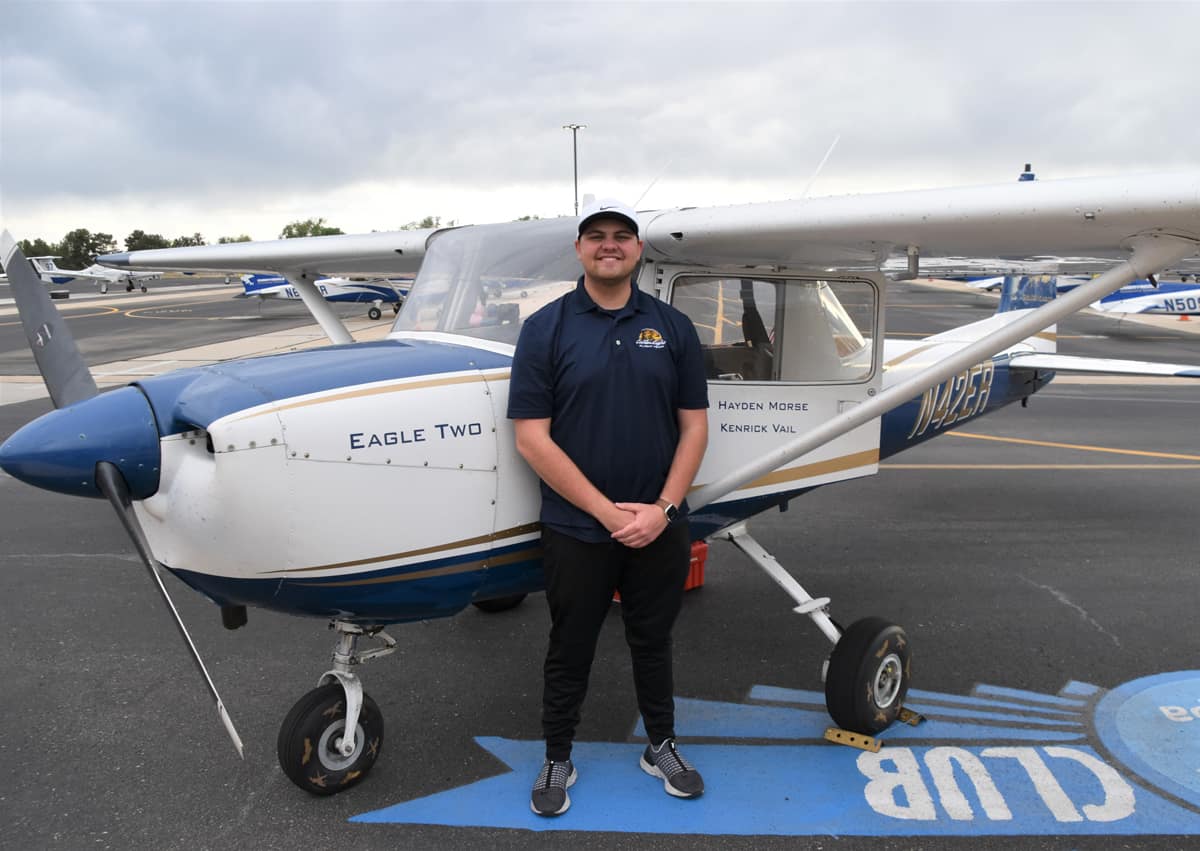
[[575, 128]]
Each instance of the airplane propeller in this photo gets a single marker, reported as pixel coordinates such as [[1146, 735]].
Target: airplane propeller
[[112, 484], [69, 381]]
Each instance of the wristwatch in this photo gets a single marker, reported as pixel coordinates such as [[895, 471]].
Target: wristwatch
[[668, 508]]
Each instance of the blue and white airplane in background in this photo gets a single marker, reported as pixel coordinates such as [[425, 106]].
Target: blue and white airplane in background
[[1159, 298], [376, 292], [1143, 296], [49, 272], [248, 480]]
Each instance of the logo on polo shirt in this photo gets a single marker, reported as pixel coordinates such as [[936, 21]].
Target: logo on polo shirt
[[650, 339]]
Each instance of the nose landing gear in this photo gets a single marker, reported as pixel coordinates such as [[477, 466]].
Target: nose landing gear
[[331, 738]]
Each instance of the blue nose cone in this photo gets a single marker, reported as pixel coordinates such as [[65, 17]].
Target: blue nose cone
[[59, 451]]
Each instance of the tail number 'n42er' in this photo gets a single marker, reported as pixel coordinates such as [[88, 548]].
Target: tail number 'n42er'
[[958, 398]]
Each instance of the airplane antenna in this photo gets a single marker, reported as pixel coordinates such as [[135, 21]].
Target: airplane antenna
[[820, 166], [661, 172]]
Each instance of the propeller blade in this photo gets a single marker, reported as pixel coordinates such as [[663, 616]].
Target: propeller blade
[[58, 358], [112, 484]]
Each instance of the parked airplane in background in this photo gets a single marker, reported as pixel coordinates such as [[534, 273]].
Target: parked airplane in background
[[223, 474], [49, 272], [1143, 296], [1161, 298], [375, 292]]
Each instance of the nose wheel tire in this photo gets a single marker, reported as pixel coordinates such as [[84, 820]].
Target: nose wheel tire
[[310, 734], [868, 676], [374, 313]]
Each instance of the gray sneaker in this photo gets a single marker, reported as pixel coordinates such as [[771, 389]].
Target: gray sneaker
[[676, 773], [549, 796]]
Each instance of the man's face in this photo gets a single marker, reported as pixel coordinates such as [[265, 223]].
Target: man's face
[[608, 250]]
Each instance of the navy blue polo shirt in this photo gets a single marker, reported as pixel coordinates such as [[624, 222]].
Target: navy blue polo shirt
[[611, 382]]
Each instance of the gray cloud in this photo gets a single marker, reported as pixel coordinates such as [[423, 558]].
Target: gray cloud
[[195, 102]]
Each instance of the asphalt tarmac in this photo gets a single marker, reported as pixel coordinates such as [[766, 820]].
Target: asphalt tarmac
[[1033, 549]]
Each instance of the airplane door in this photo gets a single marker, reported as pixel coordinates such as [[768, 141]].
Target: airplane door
[[783, 354]]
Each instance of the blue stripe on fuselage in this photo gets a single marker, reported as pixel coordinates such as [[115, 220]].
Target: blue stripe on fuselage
[[385, 596], [190, 398]]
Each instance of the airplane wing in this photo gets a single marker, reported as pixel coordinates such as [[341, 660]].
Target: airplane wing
[[1087, 222], [359, 255], [302, 261], [1100, 366], [1090, 220]]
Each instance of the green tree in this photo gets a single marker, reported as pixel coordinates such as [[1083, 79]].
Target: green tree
[[528, 219], [139, 240], [185, 241], [308, 227], [427, 222], [225, 240], [80, 247], [39, 247]]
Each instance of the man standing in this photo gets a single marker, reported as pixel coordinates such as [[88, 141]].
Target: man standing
[[608, 398]]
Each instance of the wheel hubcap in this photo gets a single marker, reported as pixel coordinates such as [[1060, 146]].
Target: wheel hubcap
[[888, 677], [327, 749]]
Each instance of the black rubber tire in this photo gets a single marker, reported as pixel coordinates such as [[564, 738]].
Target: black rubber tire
[[499, 604], [307, 735], [144, 289], [868, 676], [129, 286], [375, 313]]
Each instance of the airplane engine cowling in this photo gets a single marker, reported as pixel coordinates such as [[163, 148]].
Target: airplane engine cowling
[[59, 451]]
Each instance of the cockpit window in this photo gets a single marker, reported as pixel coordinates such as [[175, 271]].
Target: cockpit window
[[484, 281], [755, 329]]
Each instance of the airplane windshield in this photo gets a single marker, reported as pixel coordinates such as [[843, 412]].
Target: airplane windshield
[[484, 281]]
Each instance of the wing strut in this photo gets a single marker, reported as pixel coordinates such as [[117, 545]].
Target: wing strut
[[319, 308], [1151, 254]]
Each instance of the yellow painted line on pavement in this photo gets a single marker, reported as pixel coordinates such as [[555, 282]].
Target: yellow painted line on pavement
[[136, 312], [101, 312], [1079, 446]]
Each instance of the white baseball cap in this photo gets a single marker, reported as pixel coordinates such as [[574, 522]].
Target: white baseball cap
[[607, 208]]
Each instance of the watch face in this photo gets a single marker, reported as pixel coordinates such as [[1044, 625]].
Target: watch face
[[672, 512]]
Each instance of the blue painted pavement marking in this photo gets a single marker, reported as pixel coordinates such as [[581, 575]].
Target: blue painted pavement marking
[[776, 694], [945, 777], [1153, 726], [805, 790]]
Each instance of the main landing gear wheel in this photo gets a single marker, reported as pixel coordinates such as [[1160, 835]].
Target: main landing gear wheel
[[374, 313], [499, 604], [868, 676], [309, 736]]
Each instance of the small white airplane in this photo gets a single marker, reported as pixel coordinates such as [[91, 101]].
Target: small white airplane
[[376, 292], [223, 474], [49, 272]]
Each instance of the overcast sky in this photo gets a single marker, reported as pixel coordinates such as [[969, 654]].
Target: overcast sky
[[229, 118]]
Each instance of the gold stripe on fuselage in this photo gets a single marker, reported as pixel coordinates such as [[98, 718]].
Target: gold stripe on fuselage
[[515, 531], [819, 468], [465, 567]]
